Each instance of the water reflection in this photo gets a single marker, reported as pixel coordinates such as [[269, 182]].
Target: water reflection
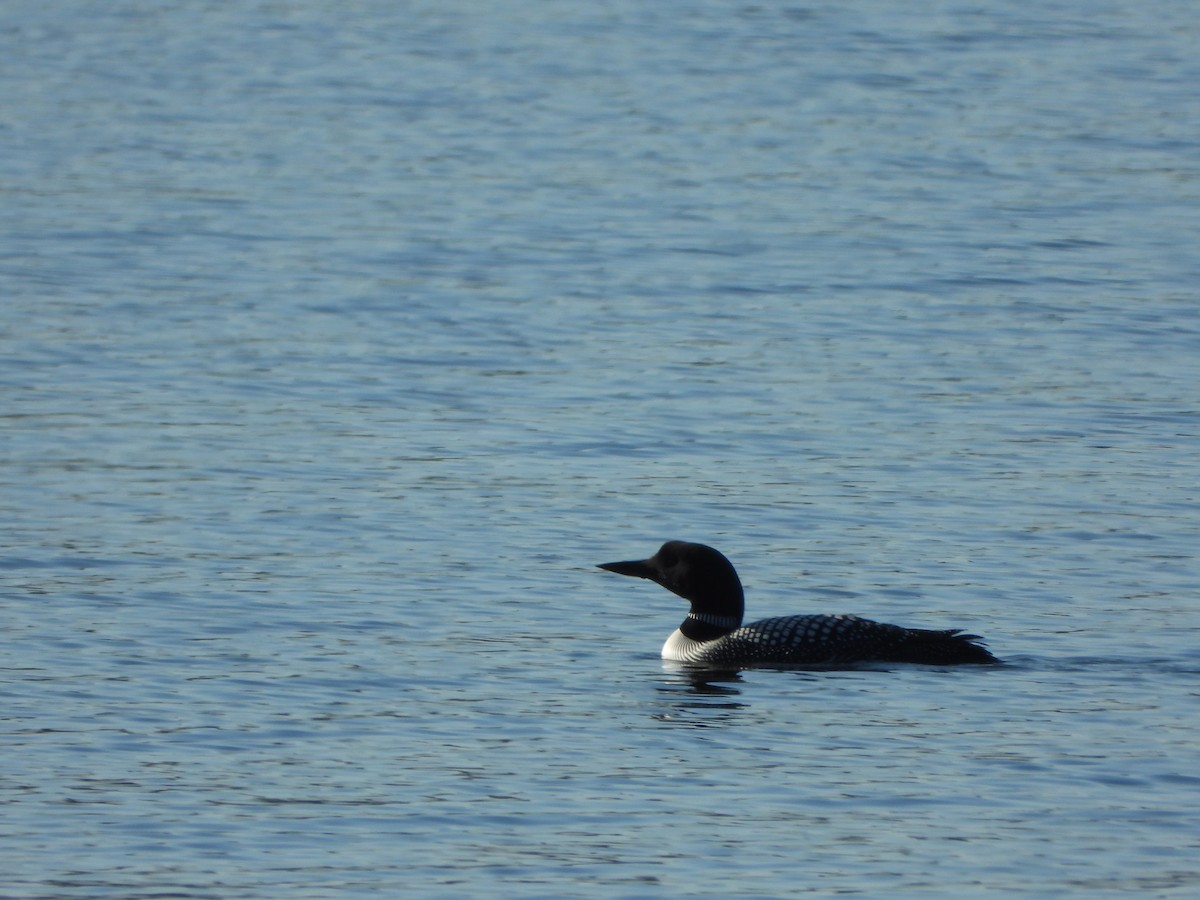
[[704, 680], [701, 698]]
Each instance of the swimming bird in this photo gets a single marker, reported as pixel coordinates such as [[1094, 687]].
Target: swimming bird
[[713, 633]]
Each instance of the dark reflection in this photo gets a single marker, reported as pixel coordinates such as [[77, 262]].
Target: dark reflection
[[709, 681], [701, 698]]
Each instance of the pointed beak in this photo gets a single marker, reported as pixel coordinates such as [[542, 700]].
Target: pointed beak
[[639, 568]]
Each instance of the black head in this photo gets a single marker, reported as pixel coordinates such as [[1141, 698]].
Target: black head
[[698, 574]]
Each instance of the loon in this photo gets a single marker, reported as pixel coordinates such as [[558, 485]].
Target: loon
[[713, 633]]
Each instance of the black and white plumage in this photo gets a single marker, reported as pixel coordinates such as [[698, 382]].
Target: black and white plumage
[[713, 634]]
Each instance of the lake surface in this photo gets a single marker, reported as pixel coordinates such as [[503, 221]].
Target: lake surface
[[338, 345]]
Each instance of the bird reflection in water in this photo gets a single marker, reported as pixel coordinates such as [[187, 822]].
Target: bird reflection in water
[[701, 697]]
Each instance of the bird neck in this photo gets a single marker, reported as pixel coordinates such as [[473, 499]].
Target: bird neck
[[702, 626]]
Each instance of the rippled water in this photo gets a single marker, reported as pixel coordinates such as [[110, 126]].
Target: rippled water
[[336, 347]]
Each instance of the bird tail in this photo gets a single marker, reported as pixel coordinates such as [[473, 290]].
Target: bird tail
[[943, 648]]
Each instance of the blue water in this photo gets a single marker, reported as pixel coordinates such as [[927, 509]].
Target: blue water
[[339, 342]]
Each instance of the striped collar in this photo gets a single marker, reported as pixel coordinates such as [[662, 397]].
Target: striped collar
[[726, 622]]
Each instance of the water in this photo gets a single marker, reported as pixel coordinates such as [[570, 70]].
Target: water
[[339, 345]]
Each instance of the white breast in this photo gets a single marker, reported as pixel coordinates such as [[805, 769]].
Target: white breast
[[681, 648]]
